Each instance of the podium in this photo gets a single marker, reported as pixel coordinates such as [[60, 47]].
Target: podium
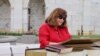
[[35, 52], [79, 50], [30, 52], [39, 52]]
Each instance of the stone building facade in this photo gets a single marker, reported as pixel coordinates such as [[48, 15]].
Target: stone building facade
[[21, 15]]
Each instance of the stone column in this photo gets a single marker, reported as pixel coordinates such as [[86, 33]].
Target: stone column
[[16, 16], [25, 15]]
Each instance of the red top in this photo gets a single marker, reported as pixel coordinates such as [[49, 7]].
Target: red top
[[49, 33]]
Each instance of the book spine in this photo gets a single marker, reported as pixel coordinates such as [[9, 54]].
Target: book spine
[[53, 49]]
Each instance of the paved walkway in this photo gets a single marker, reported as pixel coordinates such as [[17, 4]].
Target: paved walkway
[[24, 39], [27, 39]]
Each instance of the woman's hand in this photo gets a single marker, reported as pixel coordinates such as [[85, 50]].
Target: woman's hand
[[53, 43]]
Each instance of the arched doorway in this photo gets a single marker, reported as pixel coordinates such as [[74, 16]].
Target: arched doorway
[[36, 12], [4, 15]]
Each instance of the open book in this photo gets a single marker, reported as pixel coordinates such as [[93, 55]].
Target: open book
[[77, 41], [59, 48], [79, 44]]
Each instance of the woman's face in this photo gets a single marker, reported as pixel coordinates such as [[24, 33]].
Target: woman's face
[[60, 21]]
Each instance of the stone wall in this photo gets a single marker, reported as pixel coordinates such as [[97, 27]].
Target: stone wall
[[4, 15]]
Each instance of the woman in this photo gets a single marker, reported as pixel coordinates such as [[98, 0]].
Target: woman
[[54, 30]]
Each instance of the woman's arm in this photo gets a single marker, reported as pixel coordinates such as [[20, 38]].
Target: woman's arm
[[43, 36]]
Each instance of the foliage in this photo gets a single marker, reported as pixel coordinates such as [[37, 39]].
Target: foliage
[[13, 34], [87, 36]]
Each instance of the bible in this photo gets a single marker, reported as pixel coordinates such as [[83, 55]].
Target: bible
[[77, 41], [79, 44], [59, 48]]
